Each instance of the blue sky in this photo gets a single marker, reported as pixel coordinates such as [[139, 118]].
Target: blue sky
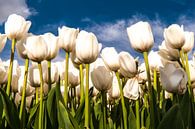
[[108, 19]]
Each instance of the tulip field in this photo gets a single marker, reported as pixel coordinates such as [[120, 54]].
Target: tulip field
[[95, 87]]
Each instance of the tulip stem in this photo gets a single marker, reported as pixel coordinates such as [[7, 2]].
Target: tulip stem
[[104, 109], [24, 89], [41, 97], [182, 58], [122, 101], [188, 74], [66, 80], [36, 95], [81, 83], [152, 122], [137, 114], [87, 97], [11, 67], [49, 74]]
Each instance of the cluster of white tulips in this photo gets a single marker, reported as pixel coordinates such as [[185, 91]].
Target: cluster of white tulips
[[94, 88]]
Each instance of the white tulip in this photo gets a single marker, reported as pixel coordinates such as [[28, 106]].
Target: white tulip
[[173, 79], [110, 58], [3, 40], [33, 76], [192, 70], [114, 92], [174, 36], [4, 73], [16, 27], [168, 53], [61, 69], [73, 77], [102, 82], [52, 45], [54, 72], [76, 62], [155, 60], [67, 37], [189, 42], [128, 66], [87, 48], [140, 36], [36, 48], [131, 89]]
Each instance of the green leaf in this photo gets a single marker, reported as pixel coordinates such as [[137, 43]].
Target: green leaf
[[132, 119], [33, 112], [10, 110], [52, 108], [172, 119], [1, 109]]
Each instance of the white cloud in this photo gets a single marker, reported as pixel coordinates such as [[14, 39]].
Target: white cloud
[[8, 7]]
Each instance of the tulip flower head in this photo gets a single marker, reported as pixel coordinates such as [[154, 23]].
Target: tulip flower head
[[3, 39], [87, 48], [174, 36], [16, 27], [173, 79], [140, 36], [67, 38], [189, 42]]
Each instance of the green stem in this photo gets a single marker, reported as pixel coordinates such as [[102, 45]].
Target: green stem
[[122, 101], [155, 80], [36, 95], [24, 89], [87, 97], [66, 80], [188, 74], [41, 97], [152, 122], [104, 109], [81, 83], [49, 74], [11, 67], [137, 114], [182, 59]]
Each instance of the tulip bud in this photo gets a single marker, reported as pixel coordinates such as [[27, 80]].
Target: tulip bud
[[140, 36], [189, 42], [131, 89], [3, 39], [127, 65], [114, 92], [174, 36], [87, 48], [33, 76], [36, 48], [52, 45], [16, 27], [173, 79], [73, 77], [67, 37], [110, 58], [155, 60], [102, 82], [4, 73]]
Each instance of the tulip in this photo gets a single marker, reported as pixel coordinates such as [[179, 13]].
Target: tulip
[[61, 70], [33, 76], [54, 72], [102, 82], [16, 27], [174, 36], [52, 45], [114, 91], [87, 48], [36, 48], [173, 79], [110, 58], [4, 74], [168, 53], [67, 38], [128, 66], [155, 60], [131, 89], [140, 36], [192, 70], [189, 42], [3, 40], [73, 77]]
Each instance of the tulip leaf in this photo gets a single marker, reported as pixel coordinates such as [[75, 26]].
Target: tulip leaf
[[132, 119], [63, 117], [1, 109], [10, 109], [80, 111], [52, 108], [32, 116], [172, 119]]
